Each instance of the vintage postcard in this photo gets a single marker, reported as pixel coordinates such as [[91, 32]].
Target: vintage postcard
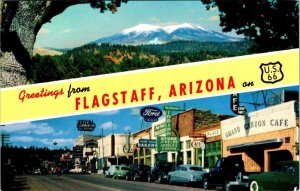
[[108, 95]]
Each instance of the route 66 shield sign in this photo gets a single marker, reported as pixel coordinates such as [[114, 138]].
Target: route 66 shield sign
[[271, 72]]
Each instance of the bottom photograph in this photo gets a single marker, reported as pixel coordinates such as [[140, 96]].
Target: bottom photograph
[[244, 141]]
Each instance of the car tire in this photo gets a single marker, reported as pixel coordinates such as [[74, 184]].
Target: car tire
[[159, 179], [149, 179], [170, 180], [135, 177], [205, 184], [254, 186], [127, 177], [227, 186]]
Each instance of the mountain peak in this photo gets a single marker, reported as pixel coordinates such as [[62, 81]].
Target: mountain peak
[[172, 28], [141, 28], [152, 34]]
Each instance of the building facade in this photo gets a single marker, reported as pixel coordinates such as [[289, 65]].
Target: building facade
[[264, 137], [112, 149], [141, 153], [213, 145]]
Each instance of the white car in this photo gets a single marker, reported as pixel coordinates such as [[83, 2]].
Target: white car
[[186, 174], [110, 171]]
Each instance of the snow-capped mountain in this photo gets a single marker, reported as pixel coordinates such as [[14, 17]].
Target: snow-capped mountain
[[151, 34]]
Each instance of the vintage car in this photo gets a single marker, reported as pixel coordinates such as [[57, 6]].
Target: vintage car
[[285, 176], [140, 172], [110, 171], [122, 171], [159, 171], [186, 174]]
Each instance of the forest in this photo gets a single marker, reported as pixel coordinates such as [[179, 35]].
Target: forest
[[96, 59], [26, 159]]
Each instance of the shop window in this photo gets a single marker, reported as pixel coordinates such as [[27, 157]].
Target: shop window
[[287, 140], [148, 152], [189, 157], [173, 157], [136, 153], [181, 145], [188, 144], [141, 152]]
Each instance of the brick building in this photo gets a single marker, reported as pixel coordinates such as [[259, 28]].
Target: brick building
[[264, 137], [186, 123]]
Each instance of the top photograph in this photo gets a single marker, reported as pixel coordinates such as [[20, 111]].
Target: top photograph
[[46, 41]]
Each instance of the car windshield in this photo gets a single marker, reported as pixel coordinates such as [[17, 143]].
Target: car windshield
[[195, 168], [144, 168], [167, 166], [125, 168]]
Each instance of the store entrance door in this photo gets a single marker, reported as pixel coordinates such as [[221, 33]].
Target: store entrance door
[[276, 156]]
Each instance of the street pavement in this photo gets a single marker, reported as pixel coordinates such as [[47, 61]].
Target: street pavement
[[89, 182]]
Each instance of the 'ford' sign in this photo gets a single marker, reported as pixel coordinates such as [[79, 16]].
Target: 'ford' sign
[[150, 114]]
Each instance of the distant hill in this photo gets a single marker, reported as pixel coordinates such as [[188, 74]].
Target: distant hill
[[193, 46], [46, 51], [151, 34], [95, 59]]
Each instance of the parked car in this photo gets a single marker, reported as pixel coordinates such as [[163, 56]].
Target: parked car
[[110, 172], [186, 174], [228, 173], [104, 169], [122, 171], [159, 171], [140, 172], [285, 176], [37, 171], [77, 169]]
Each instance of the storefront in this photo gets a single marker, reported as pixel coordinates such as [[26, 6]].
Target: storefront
[[212, 151], [141, 152], [262, 138]]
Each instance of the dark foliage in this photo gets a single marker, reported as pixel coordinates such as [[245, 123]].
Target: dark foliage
[[271, 24], [95, 59]]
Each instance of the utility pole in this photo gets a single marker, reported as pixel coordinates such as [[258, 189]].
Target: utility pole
[[103, 165]]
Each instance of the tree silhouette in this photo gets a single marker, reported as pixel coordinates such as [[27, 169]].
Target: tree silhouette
[[20, 23], [271, 24]]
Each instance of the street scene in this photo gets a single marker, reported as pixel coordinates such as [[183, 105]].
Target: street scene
[[174, 149]]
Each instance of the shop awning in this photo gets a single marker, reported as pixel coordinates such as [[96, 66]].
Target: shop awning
[[255, 143]]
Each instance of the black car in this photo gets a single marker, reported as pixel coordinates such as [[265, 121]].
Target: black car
[[140, 172], [160, 171]]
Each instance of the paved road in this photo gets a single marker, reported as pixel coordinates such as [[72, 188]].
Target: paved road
[[89, 182]]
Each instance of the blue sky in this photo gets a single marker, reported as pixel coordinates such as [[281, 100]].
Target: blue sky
[[81, 24], [64, 131]]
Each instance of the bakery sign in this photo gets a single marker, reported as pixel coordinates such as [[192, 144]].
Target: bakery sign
[[274, 118]]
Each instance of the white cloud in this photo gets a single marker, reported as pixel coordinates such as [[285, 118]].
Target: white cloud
[[135, 111], [28, 128], [22, 139], [68, 30], [127, 128], [108, 125], [44, 31], [62, 132], [45, 141]]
